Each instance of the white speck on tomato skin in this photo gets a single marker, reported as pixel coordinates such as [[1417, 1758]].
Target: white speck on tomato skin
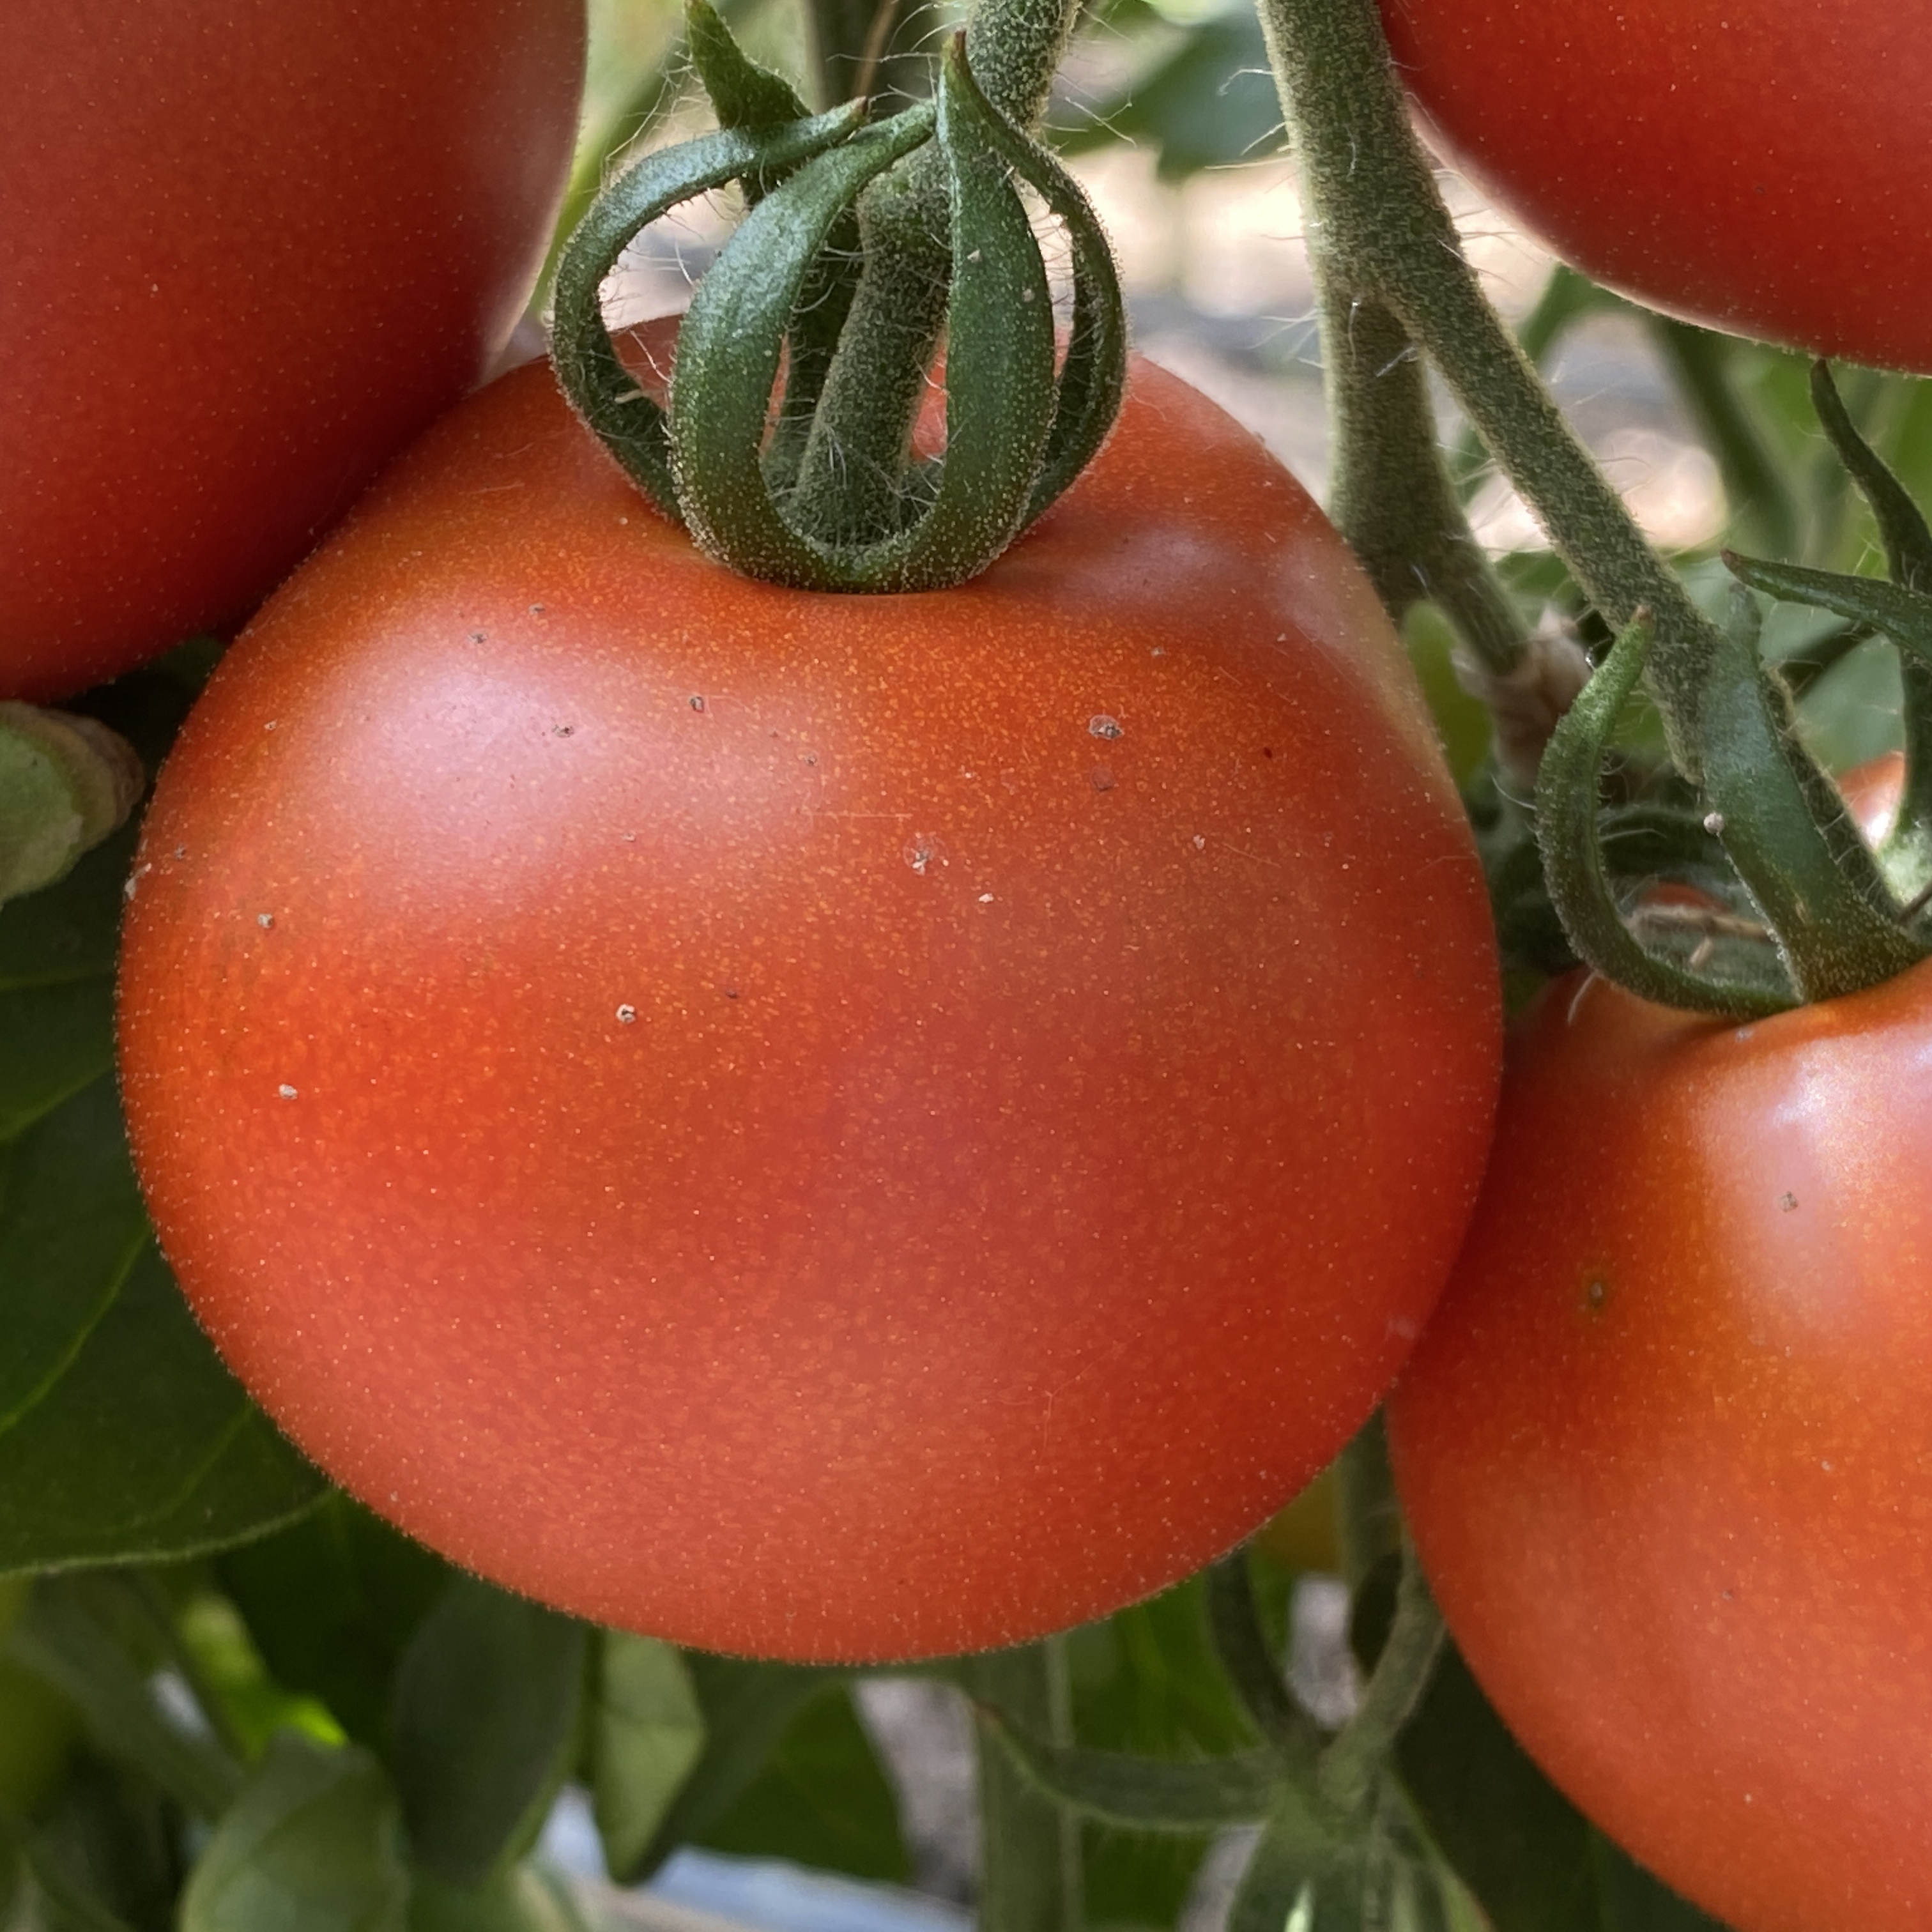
[[627, 1015], [287, 1092]]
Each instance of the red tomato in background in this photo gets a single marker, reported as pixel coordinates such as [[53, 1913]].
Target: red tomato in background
[[838, 1127], [1760, 166], [252, 248], [1667, 1448]]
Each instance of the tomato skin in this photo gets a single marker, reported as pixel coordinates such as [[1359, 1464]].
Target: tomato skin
[[252, 250], [836, 1127], [1759, 166], [1664, 1447]]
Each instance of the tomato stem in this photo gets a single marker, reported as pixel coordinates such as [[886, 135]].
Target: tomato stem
[[1371, 196], [1030, 1845], [1389, 489]]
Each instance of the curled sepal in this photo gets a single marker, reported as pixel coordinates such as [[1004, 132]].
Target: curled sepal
[[999, 376], [66, 782], [629, 423], [1901, 525], [1148, 1794], [1785, 829], [1569, 835], [1904, 616], [1093, 374], [743, 94]]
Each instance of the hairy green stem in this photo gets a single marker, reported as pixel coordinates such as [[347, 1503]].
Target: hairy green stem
[[1351, 1767], [1371, 198], [1029, 1846], [1367, 1513], [851, 484], [1389, 491]]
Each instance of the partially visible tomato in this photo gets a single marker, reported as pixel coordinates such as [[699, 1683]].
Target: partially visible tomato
[[251, 248], [1760, 166], [839, 1127], [1667, 1448]]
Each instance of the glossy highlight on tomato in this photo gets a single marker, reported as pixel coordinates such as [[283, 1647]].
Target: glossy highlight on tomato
[[1664, 1446], [833, 1127], [252, 249], [1758, 166]]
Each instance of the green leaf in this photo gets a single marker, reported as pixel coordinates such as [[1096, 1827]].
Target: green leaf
[[332, 1602], [314, 1844], [122, 1437], [1630, 1900], [111, 1833], [820, 1799], [488, 1701], [646, 1735], [747, 1707], [72, 1637], [522, 1899], [1209, 102]]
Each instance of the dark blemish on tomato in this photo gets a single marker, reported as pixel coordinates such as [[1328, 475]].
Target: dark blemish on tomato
[[1596, 1295], [730, 992], [627, 1015], [479, 637], [697, 702], [1101, 778], [1787, 1202], [537, 610], [266, 921], [561, 730], [1101, 726], [1268, 750]]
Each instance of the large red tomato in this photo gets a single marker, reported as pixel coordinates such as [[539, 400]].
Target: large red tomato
[[251, 248], [1667, 1446], [1761, 166], [833, 1127]]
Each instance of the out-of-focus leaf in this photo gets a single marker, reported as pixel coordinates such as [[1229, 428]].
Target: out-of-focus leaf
[[489, 1699], [747, 1708], [1462, 722], [68, 1638], [312, 1844], [1208, 101], [523, 1899], [332, 1602], [821, 1799], [646, 1735], [1631, 1900], [110, 1832]]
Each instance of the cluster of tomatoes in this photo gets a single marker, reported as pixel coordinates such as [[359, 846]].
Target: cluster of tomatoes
[[866, 1127]]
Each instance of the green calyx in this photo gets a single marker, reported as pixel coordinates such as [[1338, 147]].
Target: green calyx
[[1802, 909], [66, 783], [762, 340]]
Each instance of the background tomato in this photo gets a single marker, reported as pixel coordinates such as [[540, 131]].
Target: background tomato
[[1760, 166], [252, 248], [1664, 1448], [831, 1126]]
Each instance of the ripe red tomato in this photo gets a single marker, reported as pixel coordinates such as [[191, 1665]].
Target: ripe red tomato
[[1665, 1446], [251, 249], [1760, 166], [838, 1127]]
